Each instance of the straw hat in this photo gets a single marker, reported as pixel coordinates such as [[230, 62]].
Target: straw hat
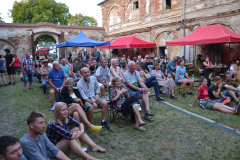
[[45, 60]]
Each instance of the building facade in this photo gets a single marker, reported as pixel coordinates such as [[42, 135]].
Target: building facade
[[164, 20]]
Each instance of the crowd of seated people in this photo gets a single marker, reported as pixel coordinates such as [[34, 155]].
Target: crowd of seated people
[[78, 88]]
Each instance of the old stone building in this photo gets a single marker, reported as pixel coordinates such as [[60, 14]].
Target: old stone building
[[163, 20], [21, 38]]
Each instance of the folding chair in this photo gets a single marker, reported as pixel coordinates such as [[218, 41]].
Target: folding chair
[[115, 114]]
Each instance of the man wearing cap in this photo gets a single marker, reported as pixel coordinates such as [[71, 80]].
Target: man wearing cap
[[44, 72], [9, 65]]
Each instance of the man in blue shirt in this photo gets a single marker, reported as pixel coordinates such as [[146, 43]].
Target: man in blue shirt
[[171, 69], [65, 67], [56, 79]]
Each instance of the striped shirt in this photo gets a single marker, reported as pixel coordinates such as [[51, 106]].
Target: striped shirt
[[88, 90], [56, 131], [28, 64]]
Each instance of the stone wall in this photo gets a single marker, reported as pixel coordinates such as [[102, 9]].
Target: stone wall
[[152, 22], [20, 38]]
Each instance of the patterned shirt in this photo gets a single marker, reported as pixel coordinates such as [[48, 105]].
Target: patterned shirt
[[56, 131], [28, 65], [112, 94], [103, 73], [90, 90], [43, 69]]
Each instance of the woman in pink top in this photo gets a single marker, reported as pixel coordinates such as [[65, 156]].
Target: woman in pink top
[[17, 67], [206, 103]]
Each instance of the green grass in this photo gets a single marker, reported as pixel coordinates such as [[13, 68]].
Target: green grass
[[172, 135]]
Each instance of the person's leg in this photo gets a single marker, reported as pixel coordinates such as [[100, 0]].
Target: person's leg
[[14, 78], [137, 116], [30, 80], [145, 100], [225, 109], [25, 81], [184, 82], [52, 96], [1, 83], [76, 107], [76, 148], [95, 148], [103, 91], [63, 145], [233, 95], [90, 114], [104, 106], [44, 85], [75, 115], [152, 81], [191, 82]]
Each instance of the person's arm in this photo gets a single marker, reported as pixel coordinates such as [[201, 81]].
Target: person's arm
[[186, 75], [13, 60], [231, 88], [115, 98], [61, 156], [112, 72], [43, 73], [195, 99], [205, 64], [216, 94], [179, 75], [172, 68]]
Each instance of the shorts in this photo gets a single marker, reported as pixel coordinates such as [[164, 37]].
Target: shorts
[[226, 93], [10, 70], [1, 71], [209, 104], [28, 77], [98, 101], [135, 94], [171, 72], [17, 69]]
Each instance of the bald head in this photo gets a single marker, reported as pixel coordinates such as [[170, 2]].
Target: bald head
[[85, 73]]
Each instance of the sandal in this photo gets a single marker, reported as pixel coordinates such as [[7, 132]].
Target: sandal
[[173, 96], [140, 128], [142, 123], [149, 118]]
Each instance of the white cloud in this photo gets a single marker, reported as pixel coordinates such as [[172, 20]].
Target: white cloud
[[86, 7]]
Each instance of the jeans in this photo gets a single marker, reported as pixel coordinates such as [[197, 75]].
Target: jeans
[[152, 81], [44, 83], [28, 77]]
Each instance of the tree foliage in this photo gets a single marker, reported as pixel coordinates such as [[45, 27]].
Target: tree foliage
[[1, 19], [45, 38], [34, 11], [81, 20]]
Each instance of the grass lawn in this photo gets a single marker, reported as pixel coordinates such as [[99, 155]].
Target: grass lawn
[[172, 135]]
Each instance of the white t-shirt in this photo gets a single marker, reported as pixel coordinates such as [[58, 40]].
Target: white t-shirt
[[73, 95], [117, 74]]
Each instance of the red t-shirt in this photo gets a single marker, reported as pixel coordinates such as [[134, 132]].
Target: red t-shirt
[[203, 92], [16, 62]]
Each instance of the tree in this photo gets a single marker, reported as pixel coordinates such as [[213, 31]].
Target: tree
[[34, 11], [1, 19], [81, 20], [45, 38]]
